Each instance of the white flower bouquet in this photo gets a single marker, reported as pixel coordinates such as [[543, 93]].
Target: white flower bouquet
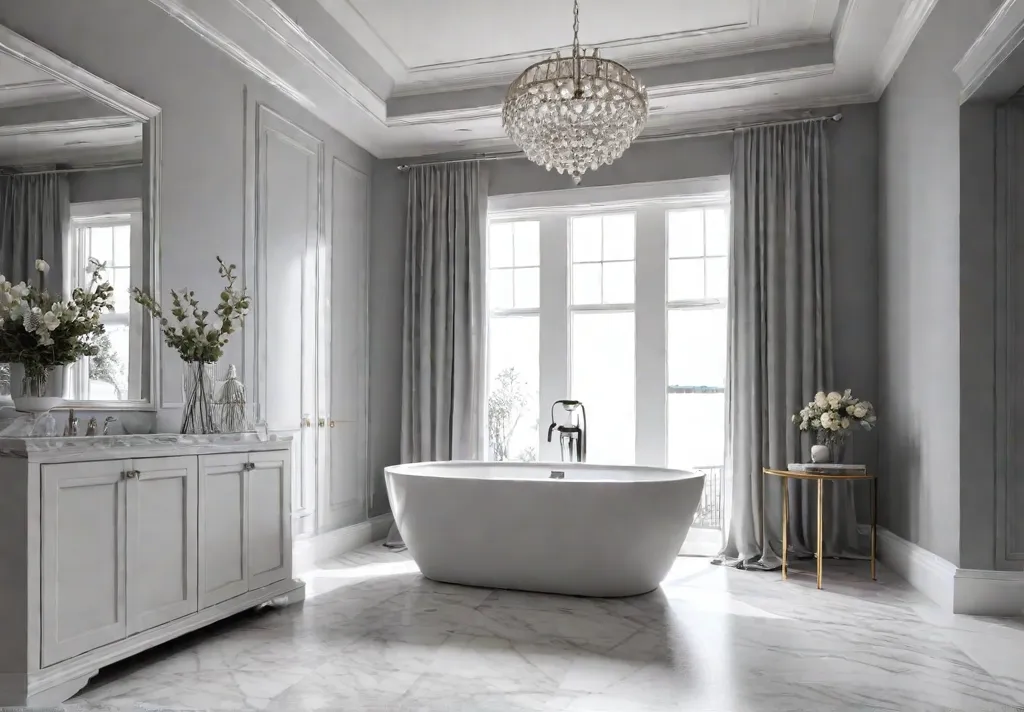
[[833, 416], [41, 331]]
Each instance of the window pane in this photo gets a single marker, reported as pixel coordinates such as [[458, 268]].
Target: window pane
[[603, 377], [527, 240], [696, 347], [619, 236], [100, 247], [120, 280], [619, 281], [108, 371], [500, 292], [685, 279], [696, 430], [123, 245], [527, 282], [717, 276], [586, 239], [586, 284], [513, 387], [717, 231], [500, 249], [686, 233]]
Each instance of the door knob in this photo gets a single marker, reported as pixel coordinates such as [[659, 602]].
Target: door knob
[[132, 474], [306, 422], [323, 422]]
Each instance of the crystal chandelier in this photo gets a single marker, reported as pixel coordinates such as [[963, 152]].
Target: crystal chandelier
[[575, 113]]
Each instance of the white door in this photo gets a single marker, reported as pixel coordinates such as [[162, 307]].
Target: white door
[[223, 544], [162, 546], [269, 518], [343, 467], [289, 185], [83, 557]]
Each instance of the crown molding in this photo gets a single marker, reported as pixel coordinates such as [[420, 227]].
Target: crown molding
[[661, 93], [363, 33], [683, 124], [1001, 36], [273, 20], [68, 125], [188, 17], [911, 19]]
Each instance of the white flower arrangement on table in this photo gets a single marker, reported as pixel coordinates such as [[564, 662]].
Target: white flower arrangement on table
[[833, 416], [41, 331]]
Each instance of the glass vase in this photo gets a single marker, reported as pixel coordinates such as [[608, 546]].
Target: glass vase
[[38, 392], [836, 445], [197, 416]]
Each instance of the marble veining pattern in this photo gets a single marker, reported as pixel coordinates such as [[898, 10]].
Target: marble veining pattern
[[375, 636]]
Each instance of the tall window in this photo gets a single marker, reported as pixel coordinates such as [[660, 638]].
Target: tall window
[[698, 240], [114, 239], [603, 363], [621, 304], [513, 364]]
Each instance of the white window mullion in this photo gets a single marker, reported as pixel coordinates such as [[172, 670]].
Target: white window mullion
[[651, 376], [554, 323]]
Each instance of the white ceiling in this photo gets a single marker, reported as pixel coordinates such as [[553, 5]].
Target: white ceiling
[[423, 49], [707, 63]]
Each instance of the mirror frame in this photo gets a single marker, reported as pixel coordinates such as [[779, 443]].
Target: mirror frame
[[14, 45]]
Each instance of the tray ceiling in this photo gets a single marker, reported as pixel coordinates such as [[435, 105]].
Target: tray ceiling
[[707, 63]]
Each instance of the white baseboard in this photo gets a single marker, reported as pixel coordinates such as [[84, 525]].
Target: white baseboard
[[927, 572], [989, 593], [972, 591], [308, 552]]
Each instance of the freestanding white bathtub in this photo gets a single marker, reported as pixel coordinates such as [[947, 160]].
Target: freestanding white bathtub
[[601, 531]]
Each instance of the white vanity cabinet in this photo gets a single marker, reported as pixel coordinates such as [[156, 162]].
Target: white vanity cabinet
[[110, 545]]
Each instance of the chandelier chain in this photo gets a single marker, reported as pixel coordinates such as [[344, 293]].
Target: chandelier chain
[[576, 45]]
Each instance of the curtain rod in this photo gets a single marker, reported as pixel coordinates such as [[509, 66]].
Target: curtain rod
[[105, 167], [643, 139]]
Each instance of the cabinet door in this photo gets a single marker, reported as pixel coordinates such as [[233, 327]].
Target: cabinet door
[[162, 540], [269, 507], [83, 557], [223, 547]]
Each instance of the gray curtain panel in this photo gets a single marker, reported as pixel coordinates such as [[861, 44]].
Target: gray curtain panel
[[780, 340], [35, 212], [444, 319]]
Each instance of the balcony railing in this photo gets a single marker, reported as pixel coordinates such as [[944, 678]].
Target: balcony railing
[[711, 512]]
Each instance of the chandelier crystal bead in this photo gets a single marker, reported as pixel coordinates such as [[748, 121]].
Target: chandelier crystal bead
[[577, 113]]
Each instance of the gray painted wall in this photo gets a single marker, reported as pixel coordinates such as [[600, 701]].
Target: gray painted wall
[[919, 285], [114, 184], [200, 90], [977, 336], [854, 189]]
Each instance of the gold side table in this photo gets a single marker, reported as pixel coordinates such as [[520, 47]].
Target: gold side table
[[820, 477]]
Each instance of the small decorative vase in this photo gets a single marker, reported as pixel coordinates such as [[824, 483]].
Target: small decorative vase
[[197, 392], [819, 453], [37, 394]]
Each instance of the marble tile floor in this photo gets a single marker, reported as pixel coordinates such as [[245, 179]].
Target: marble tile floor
[[375, 636]]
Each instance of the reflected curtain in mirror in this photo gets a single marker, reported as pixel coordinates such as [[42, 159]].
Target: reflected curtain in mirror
[[35, 212]]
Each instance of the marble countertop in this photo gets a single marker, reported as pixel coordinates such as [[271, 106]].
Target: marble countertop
[[169, 443]]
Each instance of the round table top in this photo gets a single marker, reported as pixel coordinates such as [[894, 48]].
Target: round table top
[[819, 475]]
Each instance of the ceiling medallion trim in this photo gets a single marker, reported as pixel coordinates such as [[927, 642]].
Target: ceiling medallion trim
[[575, 113]]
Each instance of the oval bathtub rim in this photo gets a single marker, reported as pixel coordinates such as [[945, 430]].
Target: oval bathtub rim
[[670, 474]]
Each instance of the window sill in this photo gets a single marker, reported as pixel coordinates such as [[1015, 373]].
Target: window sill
[[134, 406]]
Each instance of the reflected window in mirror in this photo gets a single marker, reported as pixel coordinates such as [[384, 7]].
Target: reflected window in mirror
[[111, 233]]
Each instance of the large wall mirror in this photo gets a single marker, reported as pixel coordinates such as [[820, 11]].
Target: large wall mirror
[[79, 178]]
